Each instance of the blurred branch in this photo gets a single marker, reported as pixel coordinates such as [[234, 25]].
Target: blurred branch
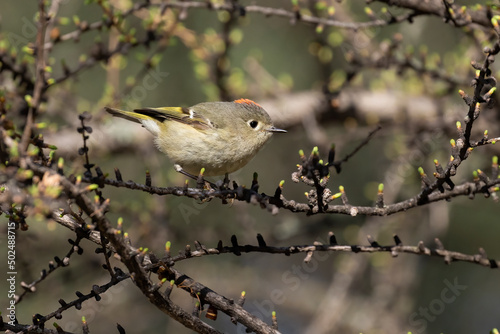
[[84, 26], [292, 15], [448, 11], [385, 57], [222, 59], [100, 54], [288, 110], [8, 63], [35, 100]]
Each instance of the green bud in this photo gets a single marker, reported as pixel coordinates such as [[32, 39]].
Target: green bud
[[64, 21], [92, 187], [34, 151], [28, 50], [29, 100], [14, 152], [494, 21], [41, 125]]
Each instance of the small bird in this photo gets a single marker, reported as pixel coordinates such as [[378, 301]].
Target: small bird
[[221, 137]]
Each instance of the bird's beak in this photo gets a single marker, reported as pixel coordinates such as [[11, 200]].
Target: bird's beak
[[273, 129]]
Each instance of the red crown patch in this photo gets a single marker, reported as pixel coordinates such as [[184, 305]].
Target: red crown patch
[[246, 101]]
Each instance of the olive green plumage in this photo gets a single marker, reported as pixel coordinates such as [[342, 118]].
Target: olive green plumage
[[221, 137]]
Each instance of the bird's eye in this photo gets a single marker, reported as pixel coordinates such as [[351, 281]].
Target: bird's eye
[[253, 124]]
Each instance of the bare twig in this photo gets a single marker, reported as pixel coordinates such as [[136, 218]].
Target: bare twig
[[394, 250]]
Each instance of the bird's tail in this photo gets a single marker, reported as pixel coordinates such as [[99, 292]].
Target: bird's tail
[[128, 115]]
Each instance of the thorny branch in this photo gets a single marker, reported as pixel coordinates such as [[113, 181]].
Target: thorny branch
[[133, 258], [272, 203], [40, 320], [394, 250], [57, 263], [333, 246], [463, 146]]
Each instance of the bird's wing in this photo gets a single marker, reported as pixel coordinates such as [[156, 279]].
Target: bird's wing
[[178, 114]]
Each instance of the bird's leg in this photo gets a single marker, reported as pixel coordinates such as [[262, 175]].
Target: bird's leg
[[198, 178], [223, 184], [226, 181]]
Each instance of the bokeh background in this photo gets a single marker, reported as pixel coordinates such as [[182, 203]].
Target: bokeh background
[[280, 65]]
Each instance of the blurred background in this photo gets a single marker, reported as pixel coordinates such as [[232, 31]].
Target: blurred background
[[326, 86]]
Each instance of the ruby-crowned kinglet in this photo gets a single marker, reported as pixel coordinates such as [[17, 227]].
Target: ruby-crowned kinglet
[[221, 137]]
